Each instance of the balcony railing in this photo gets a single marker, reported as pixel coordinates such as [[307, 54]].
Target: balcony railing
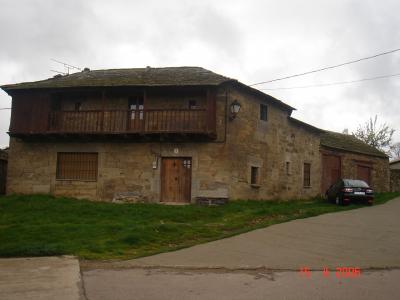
[[131, 121]]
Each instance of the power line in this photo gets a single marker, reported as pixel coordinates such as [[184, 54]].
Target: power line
[[331, 84], [5, 108], [327, 68]]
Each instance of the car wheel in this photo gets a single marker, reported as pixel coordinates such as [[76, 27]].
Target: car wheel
[[338, 201]]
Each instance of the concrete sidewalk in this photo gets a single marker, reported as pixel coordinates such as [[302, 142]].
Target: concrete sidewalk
[[40, 278], [368, 237]]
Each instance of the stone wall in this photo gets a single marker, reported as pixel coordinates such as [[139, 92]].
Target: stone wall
[[3, 171], [269, 145], [395, 180], [123, 168]]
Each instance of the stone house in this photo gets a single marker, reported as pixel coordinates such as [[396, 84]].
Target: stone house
[[345, 156], [181, 134], [395, 175], [3, 170]]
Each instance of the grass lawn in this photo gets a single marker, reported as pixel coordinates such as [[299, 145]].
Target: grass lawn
[[40, 225]]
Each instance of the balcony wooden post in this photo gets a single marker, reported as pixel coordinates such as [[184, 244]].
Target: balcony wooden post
[[103, 99], [211, 111]]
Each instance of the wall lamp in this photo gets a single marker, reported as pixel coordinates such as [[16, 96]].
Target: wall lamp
[[235, 108]]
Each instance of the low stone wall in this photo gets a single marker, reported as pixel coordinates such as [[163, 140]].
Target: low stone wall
[[395, 180]]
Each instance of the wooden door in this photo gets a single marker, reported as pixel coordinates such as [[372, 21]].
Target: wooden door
[[176, 177], [364, 173], [331, 171]]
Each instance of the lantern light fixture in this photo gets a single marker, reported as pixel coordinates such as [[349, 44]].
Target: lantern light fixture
[[235, 108]]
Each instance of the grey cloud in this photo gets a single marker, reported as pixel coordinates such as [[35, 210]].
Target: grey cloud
[[248, 40]]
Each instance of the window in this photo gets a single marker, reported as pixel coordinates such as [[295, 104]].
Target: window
[[263, 112], [254, 179], [136, 106], [76, 166], [193, 104], [307, 175], [78, 106], [287, 168]]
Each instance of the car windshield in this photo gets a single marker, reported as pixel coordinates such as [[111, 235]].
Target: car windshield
[[355, 183]]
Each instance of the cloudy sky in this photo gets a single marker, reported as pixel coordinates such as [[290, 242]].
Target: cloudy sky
[[251, 41]]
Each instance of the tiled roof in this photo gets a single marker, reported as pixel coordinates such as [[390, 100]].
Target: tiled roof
[[173, 76], [156, 77], [348, 143]]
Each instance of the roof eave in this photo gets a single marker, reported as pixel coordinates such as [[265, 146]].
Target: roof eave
[[306, 125], [266, 96], [355, 151]]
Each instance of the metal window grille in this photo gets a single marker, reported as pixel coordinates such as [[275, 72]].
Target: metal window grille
[[77, 166], [307, 175]]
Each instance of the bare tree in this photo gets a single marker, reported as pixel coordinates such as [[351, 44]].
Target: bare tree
[[395, 151], [378, 136]]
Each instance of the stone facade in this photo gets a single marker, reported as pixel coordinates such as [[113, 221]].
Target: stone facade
[[220, 168], [269, 145], [3, 171], [272, 153], [395, 180]]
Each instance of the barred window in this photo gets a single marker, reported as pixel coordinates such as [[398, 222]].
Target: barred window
[[254, 178], [307, 175], [77, 166]]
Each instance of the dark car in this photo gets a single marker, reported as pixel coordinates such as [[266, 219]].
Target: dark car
[[345, 191]]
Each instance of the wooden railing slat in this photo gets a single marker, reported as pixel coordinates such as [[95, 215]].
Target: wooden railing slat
[[126, 121]]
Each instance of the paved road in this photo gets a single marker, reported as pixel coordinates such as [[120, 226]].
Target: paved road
[[368, 237], [40, 278], [156, 284]]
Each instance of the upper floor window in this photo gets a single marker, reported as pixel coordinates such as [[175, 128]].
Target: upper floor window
[[307, 175], [136, 106], [77, 166], [78, 106], [263, 112], [193, 104]]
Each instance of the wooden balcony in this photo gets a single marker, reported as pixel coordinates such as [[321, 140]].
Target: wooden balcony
[[143, 122]]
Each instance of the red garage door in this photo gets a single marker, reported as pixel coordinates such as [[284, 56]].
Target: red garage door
[[364, 173], [331, 171]]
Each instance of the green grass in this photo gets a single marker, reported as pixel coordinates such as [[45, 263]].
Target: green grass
[[40, 225]]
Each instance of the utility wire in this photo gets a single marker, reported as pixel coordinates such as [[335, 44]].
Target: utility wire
[[5, 108], [329, 67], [330, 84]]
